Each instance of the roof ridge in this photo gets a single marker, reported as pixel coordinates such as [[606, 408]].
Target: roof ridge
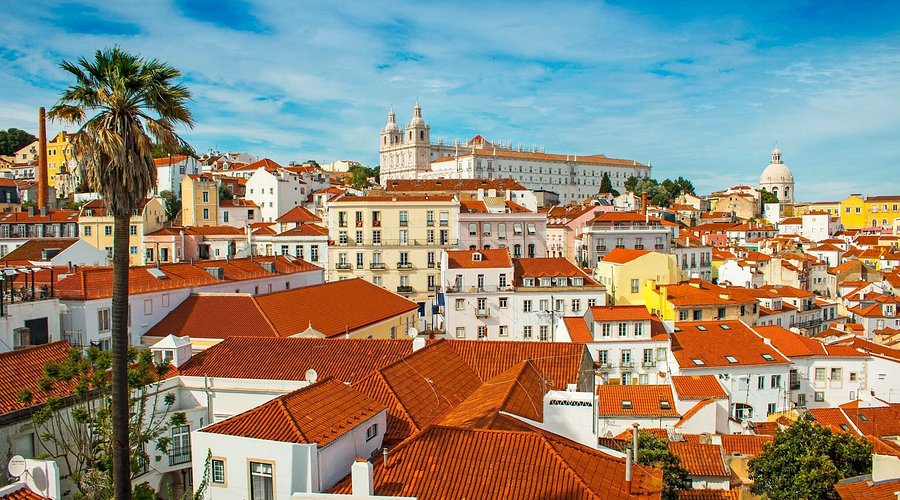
[[290, 417], [565, 464], [399, 403], [265, 316]]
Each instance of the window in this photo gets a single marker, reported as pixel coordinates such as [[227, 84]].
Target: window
[[770, 409], [761, 382], [576, 305], [107, 230], [503, 281], [217, 466], [205, 196], [836, 374], [768, 357], [545, 333], [682, 315], [623, 329], [444, 219], [503, 302], [460, 332], [638, 329], [698, 314], [180, 451], [482, 332], [635, 285], [103, 320], [261, 485], [132, 230], [648, 357], [501, 231], [87, 230], [526, 332], [526, 306], [776, 382], [819, 397], [517, 229], [473, 229], [605, 329], [371, 432], [133, 250], [404, 218], [429, 218], [820, 374], [504, 331], [853, 378], [603, 356], [376, 237]]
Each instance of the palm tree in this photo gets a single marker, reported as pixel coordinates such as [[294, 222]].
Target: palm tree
[[118, 101]]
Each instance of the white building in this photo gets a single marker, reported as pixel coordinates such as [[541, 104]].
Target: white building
[[171, 170], [275, 192], [778, 179], [487, 295]]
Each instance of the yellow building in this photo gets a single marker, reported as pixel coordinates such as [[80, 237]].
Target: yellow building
[[97, 228], [58, 155], [199, 200], [697, 300], [624, 271], [393, 241], [870, 212]]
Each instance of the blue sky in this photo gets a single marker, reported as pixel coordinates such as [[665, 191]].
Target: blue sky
[[702, 91]]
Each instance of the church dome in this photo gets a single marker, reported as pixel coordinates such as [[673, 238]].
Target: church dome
[[391, 124], [777, 171], [416, 119]]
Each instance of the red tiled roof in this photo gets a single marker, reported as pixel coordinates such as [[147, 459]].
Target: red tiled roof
[[561, 363], [397, 198], [524, 464], [744, 444], [553, 267], [519, 390], [319, 413], [624, 255], [732, 494], [629, 217], [698, 387], [236, 203], [52, 216], [709, 343], [578, 329], [21, 369], [298, 214], [793, 345], [269, 165], [865, 489], [418, 185], [32, 250], [23, 494], [620, 313], [169, 160], [348, 360], [702, 293], [306, 230], [463, 259], [202, 317], [645, 401], [700, 459]]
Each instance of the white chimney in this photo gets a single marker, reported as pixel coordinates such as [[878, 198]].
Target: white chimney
[[418, 343], [361, 479], [628, 471]]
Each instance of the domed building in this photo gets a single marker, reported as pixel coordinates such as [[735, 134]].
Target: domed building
[[778, 179]]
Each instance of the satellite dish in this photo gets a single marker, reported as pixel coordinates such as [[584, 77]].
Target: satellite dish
[[413, 333], [16, 466], [311, 376]]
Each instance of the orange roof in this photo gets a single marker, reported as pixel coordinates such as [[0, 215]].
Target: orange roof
[[21, 369], [620, 313], [732, 494], [698, 387], [472, 207], [319, 413], [519, 390], [552, 267], [525, 464], [52, 216], [23, 494], [169, 160], [578, 329], [488, 258], [793, 345], [701, 293], [705, 344], [560, 362], [700, 459], [744, 444], [397, 198], [324, 307], [624, 255], [298, 214], [629, 217], [306, 230], [96, 282], [417, 185], [635, 401], [266, 163], [863, 488], [32, 250], [237, 202]]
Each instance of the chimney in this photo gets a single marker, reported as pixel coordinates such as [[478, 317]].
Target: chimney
[[634, 440], [418, 343], [384, 453], [361, 478], [644, 203], [42, 159], [628, 472]]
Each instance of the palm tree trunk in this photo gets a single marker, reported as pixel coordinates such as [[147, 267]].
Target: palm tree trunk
[[121, 451]]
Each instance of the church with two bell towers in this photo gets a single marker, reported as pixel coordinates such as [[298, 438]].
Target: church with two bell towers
[[404, 153]]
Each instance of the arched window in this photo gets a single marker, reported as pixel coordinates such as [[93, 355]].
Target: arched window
[[874, 222], [775, 191], [422, 135], [787, 191], [884, 223], [517, 250], [531, 250], [385, 140]]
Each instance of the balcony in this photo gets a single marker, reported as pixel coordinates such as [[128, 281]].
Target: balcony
[[429, 223], [601, 248], [342, 266], [482, 313], [432, 265], [648, 364], [404, 266], [376, 223], [179, 456], [626, 364], [639, 247], [404, 289], [659, 246], [378, 266]]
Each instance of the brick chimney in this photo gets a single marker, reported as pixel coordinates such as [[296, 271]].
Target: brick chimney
[[43, 187], [644, 203]]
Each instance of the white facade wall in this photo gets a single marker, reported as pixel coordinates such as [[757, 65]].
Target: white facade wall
[[743, 386], [168, 177], [80, 253], [882, 375], [712, 418], [16, 314], [313, 249], [570, 414], [238, 216], [610, 426], [275, 193], [738, 275], [462, 317], [638, 372], [839, 381]]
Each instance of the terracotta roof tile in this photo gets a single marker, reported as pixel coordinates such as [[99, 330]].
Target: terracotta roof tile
[[864, 489], [701, 293], [298, 214], [306, 230], [793, 345], [732, 494], [519, 390], [636, 401], [26, 218], [553, 267], [712, 345], [624, 255], [21, 370], [692, 387], [449, 185], [32, 250], [578, 329], [524, 464], [700, 459], [398, 198], [204, 316], [620, 313], [23, 494], [562, 363], [169, 160], [319, 413], [744, 444], [489, 258]]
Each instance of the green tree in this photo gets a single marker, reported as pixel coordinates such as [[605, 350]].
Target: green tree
[[359, 177], [160, 150], [77, 430], [684, 186], [606, 185], [767, 197], [631, 183], [654, 451], [806, 459], [13, 139], [225, 192], [119, 101], [172, 204]]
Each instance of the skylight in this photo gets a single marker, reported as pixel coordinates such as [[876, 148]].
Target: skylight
[[701, 328], [626, 404], [731, 359], [863, 417], [665, 405], [698, 361], [768, 357], [725, 327]]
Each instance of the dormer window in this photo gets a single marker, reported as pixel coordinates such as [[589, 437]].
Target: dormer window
[[725, 327], [626, 404], [577, 281], [545, 281], [701, 328], [476, 257], [562, 281], [665, 405], [528, 281]]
